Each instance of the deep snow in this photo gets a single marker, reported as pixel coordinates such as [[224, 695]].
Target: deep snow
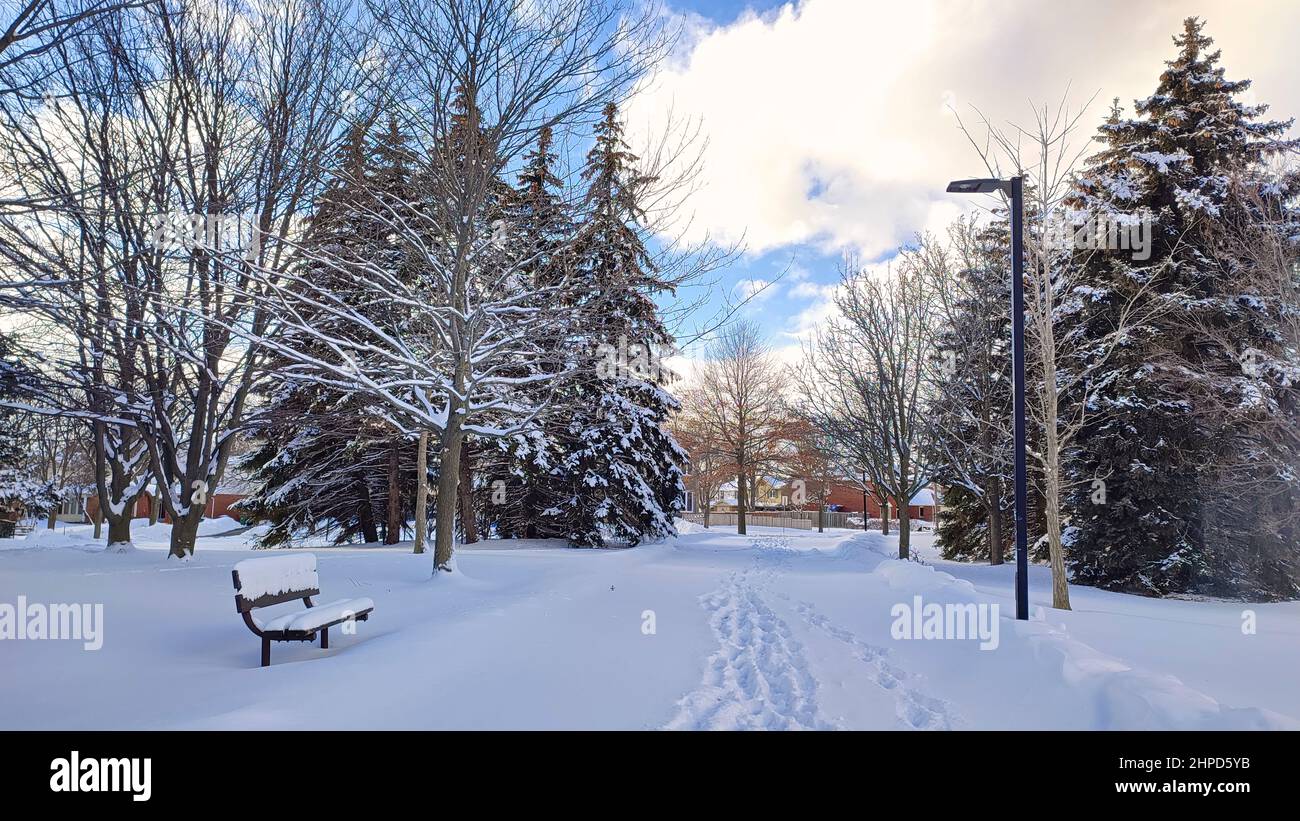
[[776, 630]]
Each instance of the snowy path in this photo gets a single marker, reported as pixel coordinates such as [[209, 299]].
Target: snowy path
[[758, 678], [711, 631], [916, 711]]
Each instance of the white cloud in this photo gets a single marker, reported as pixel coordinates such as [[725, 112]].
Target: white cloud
[[803, 326], [757, 290], [829, 122], [808, 290]]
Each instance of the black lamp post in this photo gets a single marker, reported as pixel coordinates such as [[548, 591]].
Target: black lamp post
[[1014, 189]]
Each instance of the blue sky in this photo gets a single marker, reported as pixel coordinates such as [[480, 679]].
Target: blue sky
[[723, 11], [798, 272], [833, 124]]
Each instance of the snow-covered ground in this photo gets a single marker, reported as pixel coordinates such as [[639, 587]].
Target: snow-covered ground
[[790, 630]]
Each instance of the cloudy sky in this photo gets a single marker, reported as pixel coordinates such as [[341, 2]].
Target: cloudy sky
[[830, 124]]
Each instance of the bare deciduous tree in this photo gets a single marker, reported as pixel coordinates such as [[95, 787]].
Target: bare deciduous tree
[[710, 468], [1257, 403], [172, 124], [61, 456], [875, 364], [738, 402], [972, 396], [39, 27]]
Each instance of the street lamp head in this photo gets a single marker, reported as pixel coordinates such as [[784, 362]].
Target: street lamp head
[[978, 186]]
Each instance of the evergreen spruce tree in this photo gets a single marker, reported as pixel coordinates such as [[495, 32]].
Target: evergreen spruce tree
[[18, 485], [620, 476], [517, 469], [325, 455], [973, 409], [1164, 524], [15, 380]]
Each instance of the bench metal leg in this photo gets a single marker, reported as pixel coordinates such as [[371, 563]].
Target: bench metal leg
[[325, 638], [266, 652]]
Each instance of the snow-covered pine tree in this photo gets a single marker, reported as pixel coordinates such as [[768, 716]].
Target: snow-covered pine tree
[[20, 488], [15, 381], [517, 485], [620, 476], [1162, 522], [972, 409], [324, 459]]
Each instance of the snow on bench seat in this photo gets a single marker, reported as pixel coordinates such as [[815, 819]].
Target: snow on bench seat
[[274, 575], [266, 582], [315, 617]]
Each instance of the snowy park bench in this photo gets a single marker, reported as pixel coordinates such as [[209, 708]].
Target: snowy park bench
[[278, 579]]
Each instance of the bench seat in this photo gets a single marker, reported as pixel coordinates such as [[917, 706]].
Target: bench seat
[[272, 580], [312, 619]]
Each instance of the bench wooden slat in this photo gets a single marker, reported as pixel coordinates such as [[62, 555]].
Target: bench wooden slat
[[243, 605]]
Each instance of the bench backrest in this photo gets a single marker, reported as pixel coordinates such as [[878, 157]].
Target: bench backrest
[[275, 579]]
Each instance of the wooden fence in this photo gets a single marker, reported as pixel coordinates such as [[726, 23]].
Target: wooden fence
[[801, 520], [789, 520]]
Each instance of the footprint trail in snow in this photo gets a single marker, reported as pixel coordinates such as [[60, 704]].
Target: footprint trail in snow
[[758, 678], [916, 711]]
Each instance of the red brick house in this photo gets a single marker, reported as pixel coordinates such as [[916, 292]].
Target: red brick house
[[842, 497], [850, 500], [218, 504]]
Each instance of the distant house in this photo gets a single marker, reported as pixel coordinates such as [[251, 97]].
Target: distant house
[[725, 498], [219, 502], [11, 512], [850, 499]]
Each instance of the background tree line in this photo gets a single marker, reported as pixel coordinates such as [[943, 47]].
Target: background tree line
[[1162, 390], [349, 229]]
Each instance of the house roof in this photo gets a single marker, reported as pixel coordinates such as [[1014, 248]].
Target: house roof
[[924, 497]]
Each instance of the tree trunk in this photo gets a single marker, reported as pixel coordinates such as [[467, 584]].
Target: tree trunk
[[366, 516], [119, 530], [904, 532], [448, 480], [865, 516], [153, 508], [708, 507], [995, 537], [1052, 479], [421, 491], [1052, 491], [821, 517], [393, 517], [53, 518], [465, 495], [993, 503], [1060, 587], [185, 532], [884, 518], [528, 512], [740, 502], [98, 519]]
